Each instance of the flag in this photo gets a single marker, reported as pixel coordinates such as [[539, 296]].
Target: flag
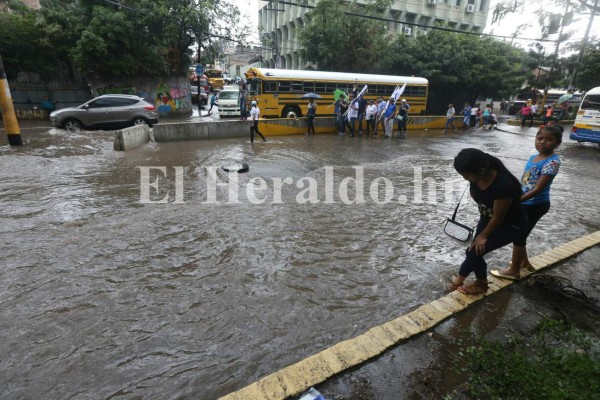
[[395, 95], [398, 92], [364, 89], [338, 93]]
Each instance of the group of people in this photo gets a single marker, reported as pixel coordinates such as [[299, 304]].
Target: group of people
[[509, 209], [472, 117], [529, 111], [351, 111]]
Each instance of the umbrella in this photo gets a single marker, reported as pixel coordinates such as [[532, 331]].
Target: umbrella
[[564, 97], [311, 96], [338, 93]]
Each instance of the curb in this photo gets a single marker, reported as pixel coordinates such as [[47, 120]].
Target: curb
[[296, 378]]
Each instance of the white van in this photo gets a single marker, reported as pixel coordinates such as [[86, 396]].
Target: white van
[[229, 104], [587, 121]]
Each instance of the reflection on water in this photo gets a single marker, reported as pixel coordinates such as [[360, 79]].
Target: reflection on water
[[105, 297]]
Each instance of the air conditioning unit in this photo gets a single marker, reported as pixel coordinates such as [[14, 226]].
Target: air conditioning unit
[[470, 8], [408, 31], [431, 2]]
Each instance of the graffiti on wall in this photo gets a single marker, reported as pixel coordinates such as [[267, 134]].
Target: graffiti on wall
[[171, 98], [116, 90]]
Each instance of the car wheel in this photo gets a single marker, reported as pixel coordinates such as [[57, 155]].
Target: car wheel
[[140, 121], [72, 125]]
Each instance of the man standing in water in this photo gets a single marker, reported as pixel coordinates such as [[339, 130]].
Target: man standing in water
[[254, 115]]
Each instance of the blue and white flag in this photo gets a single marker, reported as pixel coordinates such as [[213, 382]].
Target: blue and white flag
[[398, 92], [360, 95]]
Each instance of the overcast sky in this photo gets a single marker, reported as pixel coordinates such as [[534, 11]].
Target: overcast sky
[[506, 27]]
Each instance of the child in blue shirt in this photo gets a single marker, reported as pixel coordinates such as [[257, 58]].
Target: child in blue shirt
[[539, 173]]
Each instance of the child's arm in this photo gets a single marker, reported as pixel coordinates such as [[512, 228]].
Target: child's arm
[[539, 186]]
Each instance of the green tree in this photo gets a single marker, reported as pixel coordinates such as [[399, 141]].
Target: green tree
[[23, 47], [113, 38], [589, 70], [339, 38], [461, 67]]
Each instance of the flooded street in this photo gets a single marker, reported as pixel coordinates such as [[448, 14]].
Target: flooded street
[[107, 297]]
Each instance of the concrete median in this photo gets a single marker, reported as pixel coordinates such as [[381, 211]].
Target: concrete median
[[130, 138], [182, 131]]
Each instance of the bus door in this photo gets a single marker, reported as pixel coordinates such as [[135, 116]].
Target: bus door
[[587, 121]]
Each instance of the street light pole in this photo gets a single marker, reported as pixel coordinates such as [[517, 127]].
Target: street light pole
[[9, 117]]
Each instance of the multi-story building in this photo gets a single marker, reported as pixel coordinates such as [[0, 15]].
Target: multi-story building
[[279, 23]]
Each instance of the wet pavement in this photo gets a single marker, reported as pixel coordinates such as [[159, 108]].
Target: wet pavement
[[107, 297]]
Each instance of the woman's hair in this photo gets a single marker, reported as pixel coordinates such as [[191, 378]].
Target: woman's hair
[[472, 161], [555, 130]]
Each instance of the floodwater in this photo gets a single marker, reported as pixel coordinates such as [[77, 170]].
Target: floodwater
[[104, 296]]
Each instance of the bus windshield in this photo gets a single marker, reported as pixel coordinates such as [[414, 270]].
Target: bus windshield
[[253, 86], [213, 73]]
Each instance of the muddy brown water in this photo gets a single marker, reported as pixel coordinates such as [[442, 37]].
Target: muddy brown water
[[107, 297]]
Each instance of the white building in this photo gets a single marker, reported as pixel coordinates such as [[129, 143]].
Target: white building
[[279, 23]]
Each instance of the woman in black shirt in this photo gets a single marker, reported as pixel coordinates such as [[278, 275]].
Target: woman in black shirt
[[502, 219]]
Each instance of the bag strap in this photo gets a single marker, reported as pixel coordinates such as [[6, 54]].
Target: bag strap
[[458, 205]]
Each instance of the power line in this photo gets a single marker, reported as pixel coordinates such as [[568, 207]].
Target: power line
[[423, 26]]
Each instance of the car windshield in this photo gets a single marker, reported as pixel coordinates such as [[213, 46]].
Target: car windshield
[[228, 95]]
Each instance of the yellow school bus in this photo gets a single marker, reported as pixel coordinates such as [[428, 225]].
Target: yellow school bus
[[215, 78], [279, 91]]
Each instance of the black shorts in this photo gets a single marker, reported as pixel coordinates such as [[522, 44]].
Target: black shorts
[[534, 213]]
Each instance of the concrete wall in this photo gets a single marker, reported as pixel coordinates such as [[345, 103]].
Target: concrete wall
[[132, 137], [27, 97], [200, 130], [170, 95]]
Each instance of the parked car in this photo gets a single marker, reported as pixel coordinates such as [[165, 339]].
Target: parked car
[[203, 96], [107, 111]]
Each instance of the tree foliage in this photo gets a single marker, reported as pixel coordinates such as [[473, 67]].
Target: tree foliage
[[461, 67], [335, 40], [114, 38], [588, 74]]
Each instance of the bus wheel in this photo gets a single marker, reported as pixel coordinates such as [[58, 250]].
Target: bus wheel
[[291, 112]]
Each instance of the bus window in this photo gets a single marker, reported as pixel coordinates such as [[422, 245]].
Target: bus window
[[308, 87], [284, 86], [270, 87], [591, 102], [321, 87], [297, 86]]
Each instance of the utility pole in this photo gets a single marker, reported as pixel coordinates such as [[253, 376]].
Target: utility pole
[[583, 46], [9, 117]]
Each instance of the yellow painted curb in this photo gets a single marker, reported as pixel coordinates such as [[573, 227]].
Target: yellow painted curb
[[298, 377]]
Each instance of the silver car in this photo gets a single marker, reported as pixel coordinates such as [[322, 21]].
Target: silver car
[[107, 111]]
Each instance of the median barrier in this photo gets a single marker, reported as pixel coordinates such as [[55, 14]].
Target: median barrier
[[132, 137]]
